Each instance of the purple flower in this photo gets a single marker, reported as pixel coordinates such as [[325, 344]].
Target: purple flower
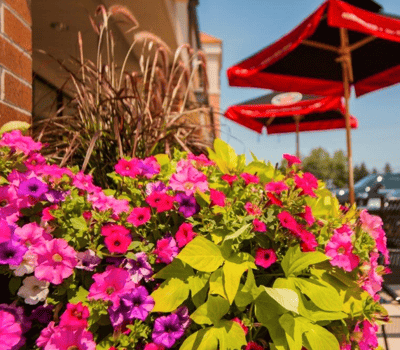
[[158, 186], [18, 312], [145, 169], [139, 268], [167, 330], [183, 314], [43, 314], [134, 305], [12, 252], [54, 196], [187, 204], [32, 187], [87, 260]]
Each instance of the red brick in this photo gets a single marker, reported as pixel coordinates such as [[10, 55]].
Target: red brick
[[8, 114], [17, 31], [17, 93], [22, 8], [14, 60]]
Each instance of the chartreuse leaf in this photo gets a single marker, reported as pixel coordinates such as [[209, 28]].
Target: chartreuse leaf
[[230, 335], [238, 233], [81, 295], [204, 339], [79, 223], [14, 125], [295, 261], [286, 298], [325, 205], [264, 171], [171, 294], [177, 268], [233, 270], [293, 331], [316, 337], [217, 284], [321, 294], [211, 311], [249, 292], [224, 156], [202, 255], [198, 287]]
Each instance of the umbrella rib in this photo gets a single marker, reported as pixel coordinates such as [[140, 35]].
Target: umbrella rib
[[363, 42], [320, 45], [269, 121]]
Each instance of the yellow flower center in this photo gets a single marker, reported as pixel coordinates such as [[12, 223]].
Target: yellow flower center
[[57, 257]]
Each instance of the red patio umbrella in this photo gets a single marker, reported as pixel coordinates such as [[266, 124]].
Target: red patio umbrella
[[291, 112], [337, 47]]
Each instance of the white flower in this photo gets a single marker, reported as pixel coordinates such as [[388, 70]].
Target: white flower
[[27, 265], [33, 290]]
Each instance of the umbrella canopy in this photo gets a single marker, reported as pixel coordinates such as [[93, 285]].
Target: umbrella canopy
[[291, 112], [338, 46]]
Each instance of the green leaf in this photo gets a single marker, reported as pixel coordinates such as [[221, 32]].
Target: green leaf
[[79, 223], [264, 171], [233, 272], [204, 339], [81, 295], [318, 338], [295, 261], [238, 233], [249, 292], [14, 284], [202, 255], [230, 335], [224, 156], [217, 284], [321, 294], [14, 125], [202, 199], [171, 294], [177, 269], [199, 287], [293, 331], [211, 311], [284, 297]]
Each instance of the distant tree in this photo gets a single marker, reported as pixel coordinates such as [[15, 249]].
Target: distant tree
[[387, 169], [318, 163], [374, 171], [339, 169], [360, 171]]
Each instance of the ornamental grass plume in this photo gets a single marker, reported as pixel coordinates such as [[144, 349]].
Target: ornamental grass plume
[[147, 266]]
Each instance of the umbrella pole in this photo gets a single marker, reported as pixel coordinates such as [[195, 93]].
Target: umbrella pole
[[345, 60], [297, 121]]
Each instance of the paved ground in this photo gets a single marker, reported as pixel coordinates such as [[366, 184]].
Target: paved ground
[[392, 330]]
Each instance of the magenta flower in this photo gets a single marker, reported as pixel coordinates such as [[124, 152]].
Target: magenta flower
[[291, 159], [307, 184], [250, 179], [340, 248], [252, 209], [370, 223], [103, 203], [289, 222], [110, 284], [66, 338], [32, 234], [184, 234], [139, 268], [117, 242], [153, 346], [158, 186], [75, 316], [188, 180], [107, 230], [308, 216], [166, 250], [12, 252], [372, 283], [369, 339], [10, 331], [161, 201], [127, 167], [277, 187], [230, 179], [265, 257], [139, 216], [148, 167], [55, 261], [167, 330], [308, 241], [87, 260], [16, 141], [136, 304], [274, 200], [217, 198], [259, 226], [200, 160], [5, 231], [85, 183]]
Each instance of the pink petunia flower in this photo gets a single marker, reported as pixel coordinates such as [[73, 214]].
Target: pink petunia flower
[[55, 261], [75, 316], [10, 331], [241, 324], [372, 282], [110, 284], [277, 187], [274, 200], [217, 198], [46, 214], [289, 222], [369, 339], [308, 216], [340, 248], [16, 141], [308, 241], [161, 201], [46, 334], [188, 180], [200, 160], [166, 250], [252, 209], [250, 179], [265, 257], [307, 184], [85, 183], [32, 234], [117, 242], [259, 226], [5, 231], [65, 338], [184, 234], [126, 167], [230, 179], [111, 229], [139, 216], [291, 159]]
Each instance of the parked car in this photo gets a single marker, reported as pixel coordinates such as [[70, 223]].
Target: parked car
[[373, 192]]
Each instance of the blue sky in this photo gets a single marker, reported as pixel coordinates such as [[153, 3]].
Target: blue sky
[[245, 27]]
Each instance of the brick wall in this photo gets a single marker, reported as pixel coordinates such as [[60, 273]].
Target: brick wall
[[15, 61]]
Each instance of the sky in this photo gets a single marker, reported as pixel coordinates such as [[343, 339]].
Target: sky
[[247, 26]]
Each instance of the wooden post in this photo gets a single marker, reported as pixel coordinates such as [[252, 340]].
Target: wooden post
[[347, 74], [297, 121]]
